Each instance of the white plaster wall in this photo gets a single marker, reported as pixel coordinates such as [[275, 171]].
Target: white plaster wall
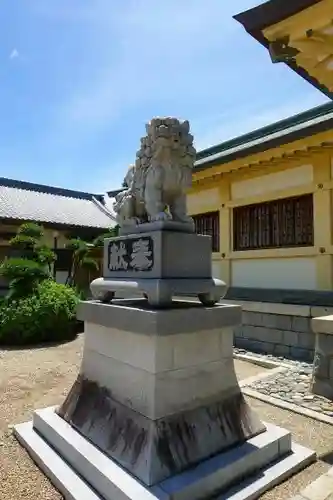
[[272, 182], [216, 269], [204, 201], [293, 273]]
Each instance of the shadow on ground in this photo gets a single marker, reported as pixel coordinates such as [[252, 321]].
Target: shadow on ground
[[327, 457], [41, 345]]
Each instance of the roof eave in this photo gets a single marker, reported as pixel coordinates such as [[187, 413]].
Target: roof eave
[[271, 12], [269, 144], [255, 20], [53, 225]]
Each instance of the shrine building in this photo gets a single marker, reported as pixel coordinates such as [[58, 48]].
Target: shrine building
[[266, 197]]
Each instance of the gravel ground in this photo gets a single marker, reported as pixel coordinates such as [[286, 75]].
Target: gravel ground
[[292, 385], [36, 378], [246, 370], [30, 378], [305, 431]]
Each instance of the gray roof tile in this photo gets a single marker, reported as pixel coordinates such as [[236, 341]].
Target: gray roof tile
[[45, 204]]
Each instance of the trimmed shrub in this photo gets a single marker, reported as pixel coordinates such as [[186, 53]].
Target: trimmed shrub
[[47, 315], [23, 275], [34, 264]]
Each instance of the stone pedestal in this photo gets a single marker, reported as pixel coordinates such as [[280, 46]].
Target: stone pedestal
[[156, 411], [161, 263], [322, 378], [164, 396]]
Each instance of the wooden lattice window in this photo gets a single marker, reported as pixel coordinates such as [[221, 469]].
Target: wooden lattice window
[[274, 224], [209, 224], [64, 259]]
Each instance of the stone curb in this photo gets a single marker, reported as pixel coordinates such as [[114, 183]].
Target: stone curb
[[256, 360], [285, 405], [255, 378]]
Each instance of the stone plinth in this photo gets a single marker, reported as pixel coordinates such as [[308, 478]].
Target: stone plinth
[[161, 225], [160, 263], [158, 254], [162, 396], [322, 380]]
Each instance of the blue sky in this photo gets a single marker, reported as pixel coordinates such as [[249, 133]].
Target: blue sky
[[80, 78]]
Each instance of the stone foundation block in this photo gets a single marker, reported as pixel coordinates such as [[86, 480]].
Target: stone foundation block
[[158, 394], [283, 334], [301, 354], [306, 340], [302, 325], [276, 321], [252, 318]]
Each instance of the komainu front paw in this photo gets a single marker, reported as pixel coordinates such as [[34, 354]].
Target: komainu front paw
[[160, 216]]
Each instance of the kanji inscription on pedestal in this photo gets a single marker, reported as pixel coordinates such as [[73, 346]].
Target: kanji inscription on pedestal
[[129, 254]]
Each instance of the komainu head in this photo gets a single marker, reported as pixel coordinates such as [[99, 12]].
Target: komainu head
[[166, 138]]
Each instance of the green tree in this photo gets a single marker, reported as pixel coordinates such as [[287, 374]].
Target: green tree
[[83, 254], [81, 259], [111, 233], [34, 265]]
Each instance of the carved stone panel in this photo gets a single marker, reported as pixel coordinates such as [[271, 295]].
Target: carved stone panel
[[130, 254], [158, 255]]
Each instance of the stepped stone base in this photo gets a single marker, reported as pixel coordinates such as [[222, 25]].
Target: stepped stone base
[[80, 471]]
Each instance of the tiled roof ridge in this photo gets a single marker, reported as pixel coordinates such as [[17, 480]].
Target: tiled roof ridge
[[101, 205], [43, 188], [305, 117]]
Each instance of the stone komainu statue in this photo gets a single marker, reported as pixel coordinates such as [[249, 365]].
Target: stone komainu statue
[[160, 176]]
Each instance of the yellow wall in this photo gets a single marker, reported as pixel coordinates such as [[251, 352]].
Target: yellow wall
[[302, 267]]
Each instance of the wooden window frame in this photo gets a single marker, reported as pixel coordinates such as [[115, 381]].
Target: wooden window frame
[[209, 224], [63, 260], [281, 223]]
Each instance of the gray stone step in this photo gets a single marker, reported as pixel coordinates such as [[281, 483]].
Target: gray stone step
[[52, 434], [61, 475]]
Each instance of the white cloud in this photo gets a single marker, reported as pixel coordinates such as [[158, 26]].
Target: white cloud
[[14, 54]]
